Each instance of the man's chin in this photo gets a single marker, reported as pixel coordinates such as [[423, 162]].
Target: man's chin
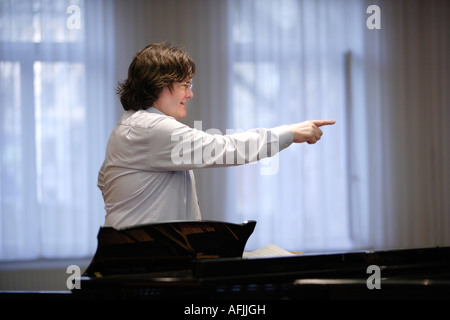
[[181, 115]]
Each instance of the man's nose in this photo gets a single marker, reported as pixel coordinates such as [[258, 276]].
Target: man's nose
[[190, 94]]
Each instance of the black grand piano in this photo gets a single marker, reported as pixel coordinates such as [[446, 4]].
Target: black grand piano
[[189, 260]]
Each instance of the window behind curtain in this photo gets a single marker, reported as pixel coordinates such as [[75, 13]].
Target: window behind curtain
[[46, 206], [289, 65]]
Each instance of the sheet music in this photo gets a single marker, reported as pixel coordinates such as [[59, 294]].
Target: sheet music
[[269, 250]]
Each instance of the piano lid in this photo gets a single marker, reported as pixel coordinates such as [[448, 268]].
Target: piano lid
[[166, 246]]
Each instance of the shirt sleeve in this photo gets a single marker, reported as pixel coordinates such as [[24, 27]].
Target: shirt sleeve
[[172, 145]]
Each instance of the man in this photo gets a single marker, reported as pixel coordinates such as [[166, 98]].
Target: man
[[147, 172]]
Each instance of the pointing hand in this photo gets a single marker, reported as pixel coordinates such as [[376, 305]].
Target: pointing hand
[[309, 131]]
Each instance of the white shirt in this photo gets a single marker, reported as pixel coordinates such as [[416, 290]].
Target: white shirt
[[147, 172]]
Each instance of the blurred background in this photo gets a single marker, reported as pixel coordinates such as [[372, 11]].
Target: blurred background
[[377, 180]]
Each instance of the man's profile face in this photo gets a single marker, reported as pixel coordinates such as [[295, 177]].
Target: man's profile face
[[174, 103]]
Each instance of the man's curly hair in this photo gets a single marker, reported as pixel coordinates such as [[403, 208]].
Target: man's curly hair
[[156, 66]]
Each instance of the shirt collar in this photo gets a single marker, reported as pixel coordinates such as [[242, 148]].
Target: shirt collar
[[154, 110]]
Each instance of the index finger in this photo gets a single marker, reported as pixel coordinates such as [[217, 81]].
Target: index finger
[[320, 123]]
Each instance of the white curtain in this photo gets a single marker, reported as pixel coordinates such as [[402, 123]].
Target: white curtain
[[289, 66], [55, 111], [408, 116], [379, 178]]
